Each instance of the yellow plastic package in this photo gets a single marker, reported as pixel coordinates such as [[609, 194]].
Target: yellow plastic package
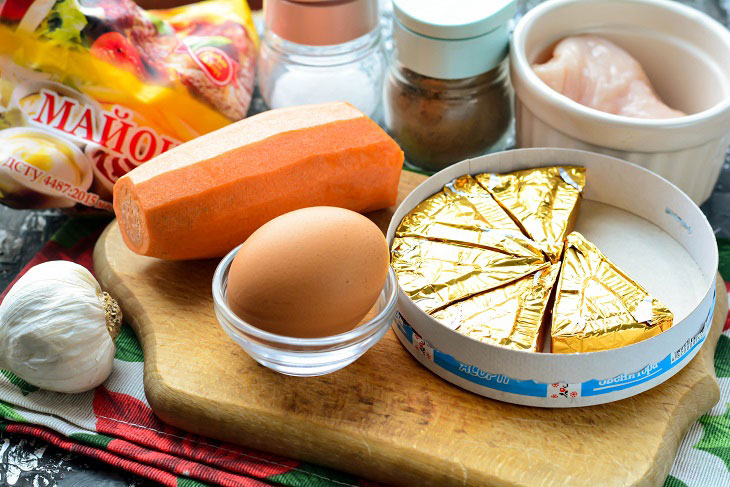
[[90, 89]]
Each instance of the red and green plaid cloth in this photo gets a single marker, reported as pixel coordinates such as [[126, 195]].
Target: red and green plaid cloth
[[115, 424]]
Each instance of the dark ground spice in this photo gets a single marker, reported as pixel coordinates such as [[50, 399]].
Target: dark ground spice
[[439, 122]]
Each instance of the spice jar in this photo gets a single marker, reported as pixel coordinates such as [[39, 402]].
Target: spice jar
[[315, 51], [447, 92]]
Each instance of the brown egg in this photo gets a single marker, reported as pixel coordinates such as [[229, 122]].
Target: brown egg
[[312, 272]]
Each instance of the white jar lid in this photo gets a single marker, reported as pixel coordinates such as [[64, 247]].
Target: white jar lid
[[455, 19], [451, 39]]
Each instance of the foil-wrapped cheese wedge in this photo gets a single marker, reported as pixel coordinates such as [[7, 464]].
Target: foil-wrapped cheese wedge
[[462, 212], [510, 316], [598, 307], [436, 274], [544, 201]]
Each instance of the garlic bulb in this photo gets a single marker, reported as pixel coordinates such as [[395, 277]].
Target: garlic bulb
[[57, 328]]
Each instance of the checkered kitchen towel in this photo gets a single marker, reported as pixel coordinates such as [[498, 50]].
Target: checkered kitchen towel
[[115, 424]]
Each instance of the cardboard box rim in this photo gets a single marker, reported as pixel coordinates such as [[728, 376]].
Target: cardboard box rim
[[522, 377]]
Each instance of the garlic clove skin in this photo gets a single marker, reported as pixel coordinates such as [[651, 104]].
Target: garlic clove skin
[[55, 330]]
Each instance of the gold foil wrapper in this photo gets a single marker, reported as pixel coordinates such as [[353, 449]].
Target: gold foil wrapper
[[436, 274], [463, 212], [598, 307], [544, 201], [510, 316]]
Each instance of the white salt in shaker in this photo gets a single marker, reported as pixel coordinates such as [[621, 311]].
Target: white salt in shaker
[[315, 51]]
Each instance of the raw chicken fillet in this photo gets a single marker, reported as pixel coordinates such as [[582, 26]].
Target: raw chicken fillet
[[599, 74]]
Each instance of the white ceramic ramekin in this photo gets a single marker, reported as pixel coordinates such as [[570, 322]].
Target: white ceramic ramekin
[[686, 55]]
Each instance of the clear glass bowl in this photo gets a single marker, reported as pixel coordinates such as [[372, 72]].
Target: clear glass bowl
[[303, 357]]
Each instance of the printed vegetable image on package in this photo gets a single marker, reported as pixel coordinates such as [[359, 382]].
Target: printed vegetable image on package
[[90, 89]]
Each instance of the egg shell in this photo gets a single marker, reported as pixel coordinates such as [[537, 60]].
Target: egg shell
[[313, 272]]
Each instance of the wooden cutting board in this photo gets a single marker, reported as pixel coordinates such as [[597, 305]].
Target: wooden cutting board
[[385, 417]]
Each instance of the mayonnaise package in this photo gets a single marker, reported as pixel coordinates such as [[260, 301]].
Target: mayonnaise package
[[90, 89]]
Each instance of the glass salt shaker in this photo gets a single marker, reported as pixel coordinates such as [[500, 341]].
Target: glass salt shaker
[[314, 51], [448, 95]]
